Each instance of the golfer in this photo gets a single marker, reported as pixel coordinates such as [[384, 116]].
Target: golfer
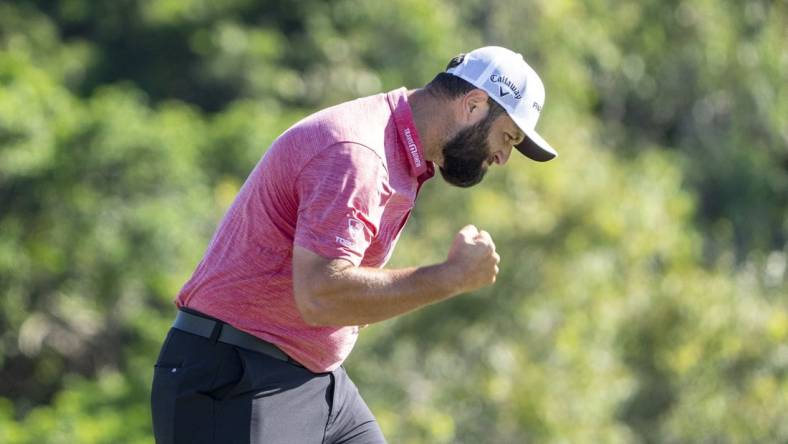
[[296, 264]]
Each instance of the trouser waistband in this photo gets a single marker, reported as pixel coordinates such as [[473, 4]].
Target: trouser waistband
[[205, 327]]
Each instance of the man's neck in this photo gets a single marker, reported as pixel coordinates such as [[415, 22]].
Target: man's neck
[[429, 115]]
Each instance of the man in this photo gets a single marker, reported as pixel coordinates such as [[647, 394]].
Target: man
[[273, 308]]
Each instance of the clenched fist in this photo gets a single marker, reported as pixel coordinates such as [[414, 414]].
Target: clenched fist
[[472, 255]]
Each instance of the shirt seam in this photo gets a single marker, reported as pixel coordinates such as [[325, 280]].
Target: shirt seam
[[341, 142]]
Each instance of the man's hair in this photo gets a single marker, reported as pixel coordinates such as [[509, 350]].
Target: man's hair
[[448, 86]]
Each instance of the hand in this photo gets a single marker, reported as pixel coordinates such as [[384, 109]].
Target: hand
[[473, 258]]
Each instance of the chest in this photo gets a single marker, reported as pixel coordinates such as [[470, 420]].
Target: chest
[[395, 216]]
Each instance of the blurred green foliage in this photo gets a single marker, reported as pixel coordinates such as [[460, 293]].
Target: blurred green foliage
[[643, 294]]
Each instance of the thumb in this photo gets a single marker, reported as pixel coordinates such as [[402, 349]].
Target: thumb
[[469, 231]]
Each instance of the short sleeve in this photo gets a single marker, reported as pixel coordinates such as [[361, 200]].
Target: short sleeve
[[342, 192]]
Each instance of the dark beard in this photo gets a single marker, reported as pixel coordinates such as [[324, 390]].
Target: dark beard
[[465, 155]]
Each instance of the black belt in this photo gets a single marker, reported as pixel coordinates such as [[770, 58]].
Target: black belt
[[228, 334]]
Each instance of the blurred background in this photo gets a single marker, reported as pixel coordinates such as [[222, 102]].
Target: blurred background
[[643, 295]]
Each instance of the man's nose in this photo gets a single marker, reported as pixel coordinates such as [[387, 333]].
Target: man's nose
[[501, 157]]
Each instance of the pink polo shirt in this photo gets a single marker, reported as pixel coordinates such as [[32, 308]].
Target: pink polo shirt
[[341, 183]]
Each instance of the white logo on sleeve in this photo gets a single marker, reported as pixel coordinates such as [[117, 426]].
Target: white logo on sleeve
[[356, 231], [355, 228]]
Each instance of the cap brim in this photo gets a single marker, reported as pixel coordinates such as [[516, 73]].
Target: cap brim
[[536, 148]]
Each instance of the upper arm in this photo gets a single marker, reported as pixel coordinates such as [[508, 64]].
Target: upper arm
[[312, 275], [342, 192]]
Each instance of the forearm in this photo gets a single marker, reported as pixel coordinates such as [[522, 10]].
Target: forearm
[[334, 292], [356, 296]]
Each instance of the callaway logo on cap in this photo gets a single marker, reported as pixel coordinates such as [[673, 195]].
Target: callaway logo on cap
[[512, 83]]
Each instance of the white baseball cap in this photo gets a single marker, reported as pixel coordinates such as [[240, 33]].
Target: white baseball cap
[[504, 76]]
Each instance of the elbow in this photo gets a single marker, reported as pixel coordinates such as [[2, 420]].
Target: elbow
[[317, 289], [311, 310]]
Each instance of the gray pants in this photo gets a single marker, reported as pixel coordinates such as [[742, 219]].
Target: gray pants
[[206, 391]]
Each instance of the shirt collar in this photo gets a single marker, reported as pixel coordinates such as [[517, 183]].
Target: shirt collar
[[408, 135]]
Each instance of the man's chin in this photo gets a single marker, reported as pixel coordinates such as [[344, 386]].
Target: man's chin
[[460, 181]]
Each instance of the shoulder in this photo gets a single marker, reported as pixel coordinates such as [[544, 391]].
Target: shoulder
[[362, 121], [344, 160]]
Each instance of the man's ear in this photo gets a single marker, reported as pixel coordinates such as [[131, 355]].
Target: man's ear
[[473, 106]]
